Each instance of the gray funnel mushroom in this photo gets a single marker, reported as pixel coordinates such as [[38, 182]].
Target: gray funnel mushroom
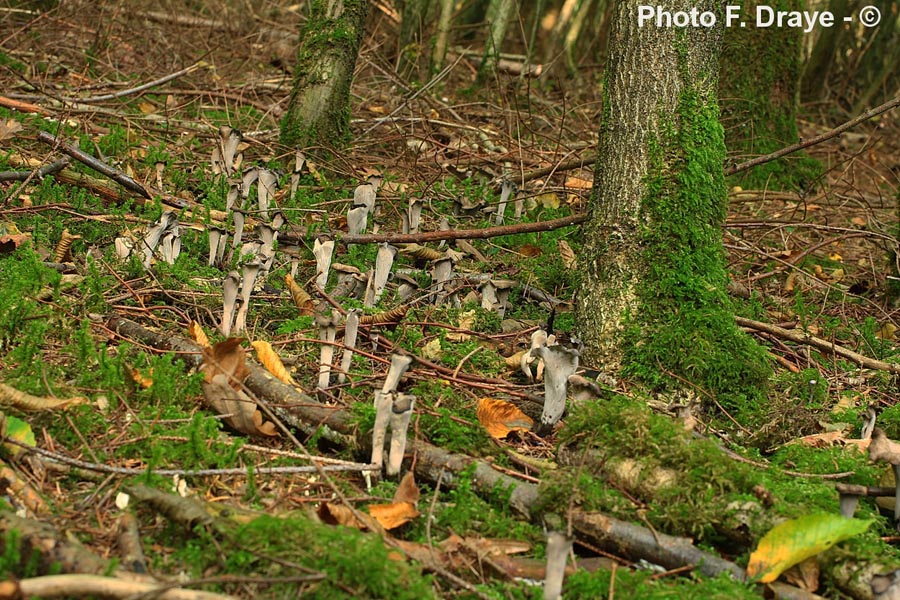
[[401, 412], [249, 271], [237, 219], [299, 161], [351, 330], [384, 405], [883, 449], [265, 191], [505, 190], [154, 235], [383, 263], [322, 250], [559, 363], [217, 237], [327, 324], [356, 219], [229, 294]]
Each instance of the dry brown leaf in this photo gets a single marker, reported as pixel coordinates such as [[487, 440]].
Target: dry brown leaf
[[804, 575], [9, 129], [226, 358], [224, 369], [567, 254], [198, 335], [466, 321], [271, 361], [499, 417], [393, 515], [514, 361], [859, 221], [11, 238], [529, 250], [302, 300], [237, 409], [340, 514], [407, 491]]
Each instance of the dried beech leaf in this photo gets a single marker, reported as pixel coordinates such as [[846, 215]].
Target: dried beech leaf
[[579, 183], [241, 411], [407, 491], [567, 254], [393, 515], [10, 396], [499, 417], [302, 300], [226, 358], [9, 129], [339, 514], [271, 361], [198, 335]]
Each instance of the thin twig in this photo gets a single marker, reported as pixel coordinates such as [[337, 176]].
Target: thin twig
[[759, 160], [804, 338], [464, 234]]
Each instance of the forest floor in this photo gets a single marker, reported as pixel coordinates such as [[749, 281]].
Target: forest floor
[[112, 486]]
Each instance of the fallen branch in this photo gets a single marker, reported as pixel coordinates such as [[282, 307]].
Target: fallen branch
[[432, 463], [40, 173], [98, 165], [759, 160], [68, 586], [463, 234], [810, 340]]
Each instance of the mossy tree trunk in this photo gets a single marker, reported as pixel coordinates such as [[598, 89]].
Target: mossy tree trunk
[[759, 84], [652, 301], [319, 109], [499, 15]]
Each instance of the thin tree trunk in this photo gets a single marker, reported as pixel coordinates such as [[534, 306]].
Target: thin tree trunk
[[653, 301], [319, 109]]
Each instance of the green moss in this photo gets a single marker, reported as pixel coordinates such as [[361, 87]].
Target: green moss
[[584, 585], [685, 326]]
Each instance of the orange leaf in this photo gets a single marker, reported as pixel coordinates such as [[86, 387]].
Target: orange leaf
[[271, 361], [144, 381], [500, 417], [198, 335], [393, 515]]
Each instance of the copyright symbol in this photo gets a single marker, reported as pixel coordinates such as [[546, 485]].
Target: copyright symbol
[[869, 16]]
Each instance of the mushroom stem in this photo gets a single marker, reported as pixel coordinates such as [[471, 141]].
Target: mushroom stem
[[401, 411], [383, 403], [351, 329], [505, 190], [383, 263], [559, 363], [399, 365], [559, 545], [229, 295], [250, 270], [327, 331]]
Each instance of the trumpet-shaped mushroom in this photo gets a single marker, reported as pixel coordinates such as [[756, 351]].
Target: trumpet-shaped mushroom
[[265, 191], [399, 365], [229, 293], [351, 330], [559, 364], [383, 263], [383, 405], [327, 324], [231, 140], [322, 250], [406, 286], [350, 281], [278, 219], [249, 272], [506, 189], [217, 237], [413, 216], [401, 412], [357, 218], [170, 245], [247, 180], [231, 199], [539, 339], [124, 246], [154, 235], [267, 236], [299, 161], [495, 295], [364, 195], [237, 219], [441, 273], [883, 449]]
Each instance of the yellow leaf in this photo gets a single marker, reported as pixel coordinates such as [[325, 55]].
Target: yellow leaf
[[198, 335], [836, 257], [271, 361], [499, 417], [548, 200], [432, 350], [794, 541]]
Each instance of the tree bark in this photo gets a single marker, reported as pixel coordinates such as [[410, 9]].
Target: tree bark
[[652, 300], [319, 109]]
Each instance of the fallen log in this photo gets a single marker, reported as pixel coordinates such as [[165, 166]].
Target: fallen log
[[308, 415]]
